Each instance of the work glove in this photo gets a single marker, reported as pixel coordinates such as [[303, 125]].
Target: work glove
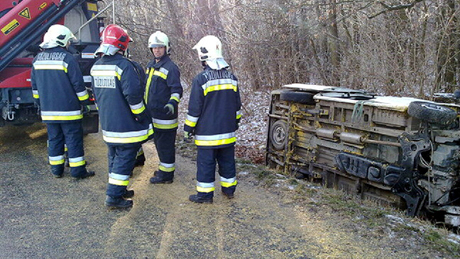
[[142, 117], [169, 108], [85, 109], [188, 136]]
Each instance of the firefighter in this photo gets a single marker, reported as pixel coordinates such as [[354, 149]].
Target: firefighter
[[60, 92], [162, 96], [125, 121], [213, 118]]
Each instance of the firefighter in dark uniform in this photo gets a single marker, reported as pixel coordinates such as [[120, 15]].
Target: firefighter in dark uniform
[[162, 96], [213, 118], [124, 119], [60, 92]]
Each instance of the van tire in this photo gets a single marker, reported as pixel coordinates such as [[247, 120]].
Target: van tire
[[279, 134], [431, 113], [297, 97]]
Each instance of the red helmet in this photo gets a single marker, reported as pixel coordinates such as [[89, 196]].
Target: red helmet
[[115, 36]]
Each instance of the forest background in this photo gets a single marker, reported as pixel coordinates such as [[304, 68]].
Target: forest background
[[387, 47], [397, 47]]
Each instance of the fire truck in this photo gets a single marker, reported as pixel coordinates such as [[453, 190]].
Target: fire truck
[[22, 26]]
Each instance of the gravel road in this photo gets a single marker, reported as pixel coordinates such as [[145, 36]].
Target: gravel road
[[44, 217]]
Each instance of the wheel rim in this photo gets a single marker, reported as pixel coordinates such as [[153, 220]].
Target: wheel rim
[[279, 135]]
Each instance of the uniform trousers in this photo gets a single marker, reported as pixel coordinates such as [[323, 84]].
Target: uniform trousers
[[121, 159], [165, 144], [71, 135], [206, 168]]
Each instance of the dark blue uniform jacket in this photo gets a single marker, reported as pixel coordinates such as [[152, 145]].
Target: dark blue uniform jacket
[[57, 83], [163, 86], [214, 108], [119, 98]]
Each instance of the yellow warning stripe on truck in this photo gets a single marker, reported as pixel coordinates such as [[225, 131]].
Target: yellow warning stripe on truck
[[92, 7], [10, 26]]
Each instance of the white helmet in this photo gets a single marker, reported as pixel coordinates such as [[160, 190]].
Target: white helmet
[[159, 39], [210, 50], [57, 36]]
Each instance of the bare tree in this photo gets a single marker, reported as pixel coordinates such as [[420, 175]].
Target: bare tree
[[401, 47]]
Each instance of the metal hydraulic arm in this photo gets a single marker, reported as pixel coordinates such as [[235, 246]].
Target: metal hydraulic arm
[[15, 37]]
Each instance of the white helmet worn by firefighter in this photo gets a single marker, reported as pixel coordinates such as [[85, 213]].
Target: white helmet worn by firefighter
[[210, 50], [57, 36], [114, 39], [159, 39]]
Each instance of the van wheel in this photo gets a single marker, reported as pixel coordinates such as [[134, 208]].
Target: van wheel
[[297, 97], [431, 112], [279, 134]]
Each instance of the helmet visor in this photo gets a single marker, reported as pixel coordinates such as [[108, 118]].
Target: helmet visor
[[156, 45]]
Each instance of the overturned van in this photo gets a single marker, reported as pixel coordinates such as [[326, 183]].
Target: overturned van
[[399, 151]]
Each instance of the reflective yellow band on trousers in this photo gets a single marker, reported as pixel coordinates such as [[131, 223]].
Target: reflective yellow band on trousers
[[118, 179], [118, 182], [77, 161], [167, 167], [56, 160], [205, 187], [228, 182]]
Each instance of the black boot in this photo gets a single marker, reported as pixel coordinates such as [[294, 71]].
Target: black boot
[[57, 171], [140, 161], [229, 191], [128, 194], [85, 175], [197, 199], [118, 203], [228, 195], [162, 177]]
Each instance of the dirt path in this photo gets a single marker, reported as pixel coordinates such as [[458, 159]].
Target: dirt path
[[43, 217]]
